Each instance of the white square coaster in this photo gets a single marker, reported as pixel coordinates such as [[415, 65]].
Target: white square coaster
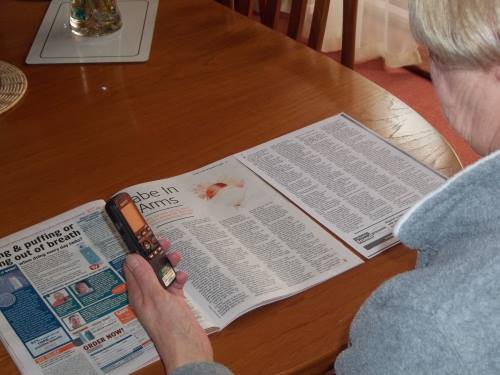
[[56, 44]]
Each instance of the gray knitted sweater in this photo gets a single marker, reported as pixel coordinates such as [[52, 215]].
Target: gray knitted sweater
[[444, 316]]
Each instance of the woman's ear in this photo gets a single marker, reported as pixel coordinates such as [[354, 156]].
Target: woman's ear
[[496, 71]]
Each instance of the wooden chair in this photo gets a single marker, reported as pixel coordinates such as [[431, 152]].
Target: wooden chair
[[270, 12], [350, 13], [241, 6]]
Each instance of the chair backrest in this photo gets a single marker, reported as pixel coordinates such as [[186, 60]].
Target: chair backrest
[[349, 18], [270, 12], [242, 6]]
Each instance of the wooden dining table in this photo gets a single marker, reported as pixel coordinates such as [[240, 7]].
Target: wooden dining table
[[216, 83]]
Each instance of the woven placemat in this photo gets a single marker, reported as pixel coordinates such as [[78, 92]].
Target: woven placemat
[[13, 85]]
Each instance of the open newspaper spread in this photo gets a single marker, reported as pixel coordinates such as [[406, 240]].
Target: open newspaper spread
[[63, 300]]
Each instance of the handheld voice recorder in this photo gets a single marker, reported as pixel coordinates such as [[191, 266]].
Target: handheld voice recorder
[[138, 236]]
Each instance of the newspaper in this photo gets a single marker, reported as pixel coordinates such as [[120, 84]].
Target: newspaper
[[63, 300], [348, 178]]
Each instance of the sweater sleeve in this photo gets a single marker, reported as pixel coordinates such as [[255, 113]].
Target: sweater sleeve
[[390, 340], [202, 368]]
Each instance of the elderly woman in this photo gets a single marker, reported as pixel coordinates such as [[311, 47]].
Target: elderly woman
[[443, 317]]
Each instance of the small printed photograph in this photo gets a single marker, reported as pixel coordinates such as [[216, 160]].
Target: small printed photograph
[[90, 255], [83, 337], [9, 284], [86, 336], [7, 300], [74, 321], [224, 191], [58, 298], [82, 288], [12, 281]]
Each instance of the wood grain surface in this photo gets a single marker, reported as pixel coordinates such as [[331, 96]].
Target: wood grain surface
[[216, 83]]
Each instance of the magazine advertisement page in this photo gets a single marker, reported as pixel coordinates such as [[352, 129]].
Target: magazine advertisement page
[[242, 244], [347, 177], [63, 301]]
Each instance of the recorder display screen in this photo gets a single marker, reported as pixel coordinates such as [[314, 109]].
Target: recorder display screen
[[133, 217]]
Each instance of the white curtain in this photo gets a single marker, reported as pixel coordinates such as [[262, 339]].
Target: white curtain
[[382, 30]]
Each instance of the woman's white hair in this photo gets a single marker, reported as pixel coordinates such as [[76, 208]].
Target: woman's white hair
[[458, 33]]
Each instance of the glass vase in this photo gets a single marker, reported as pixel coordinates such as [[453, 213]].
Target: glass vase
[[94, 17]]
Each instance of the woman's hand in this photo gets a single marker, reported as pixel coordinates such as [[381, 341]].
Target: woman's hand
[[165, 315]]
